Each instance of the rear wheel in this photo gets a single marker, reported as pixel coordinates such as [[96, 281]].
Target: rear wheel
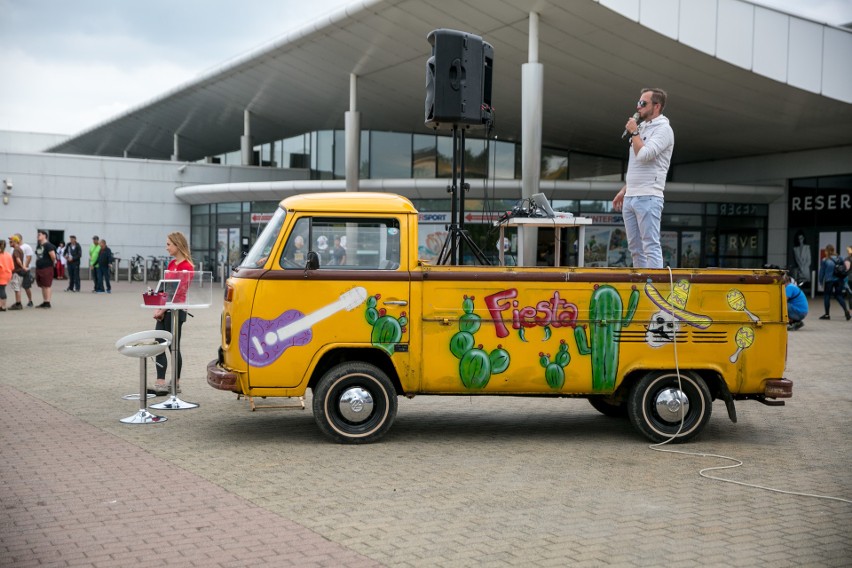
[[657, 404], [354, 403]]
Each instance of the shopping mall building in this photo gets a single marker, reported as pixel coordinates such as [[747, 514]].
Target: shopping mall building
[[760, 102]]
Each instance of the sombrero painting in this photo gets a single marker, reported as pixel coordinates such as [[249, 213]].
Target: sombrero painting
[[675, 304]]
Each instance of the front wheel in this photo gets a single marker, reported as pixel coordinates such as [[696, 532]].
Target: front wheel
[[354, 403], [657, 405]]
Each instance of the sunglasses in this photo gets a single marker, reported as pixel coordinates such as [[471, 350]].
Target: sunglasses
[[642, 104]]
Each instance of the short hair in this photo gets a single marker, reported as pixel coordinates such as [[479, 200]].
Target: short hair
[[657, 96]]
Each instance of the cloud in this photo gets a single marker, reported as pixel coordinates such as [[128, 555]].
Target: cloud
[[70, 65], [66, 97]]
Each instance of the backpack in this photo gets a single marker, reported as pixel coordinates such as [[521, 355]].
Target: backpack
[[840, 271]]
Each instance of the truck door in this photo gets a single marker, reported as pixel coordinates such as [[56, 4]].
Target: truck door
[[358, 297]]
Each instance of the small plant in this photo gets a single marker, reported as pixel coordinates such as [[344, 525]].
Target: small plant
[[387, 330], [475, 364], [554, 372]]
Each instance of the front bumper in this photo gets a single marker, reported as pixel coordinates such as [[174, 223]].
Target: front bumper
[[222, 379]]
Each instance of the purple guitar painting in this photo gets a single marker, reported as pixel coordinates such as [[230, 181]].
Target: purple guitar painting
[[263, 341]]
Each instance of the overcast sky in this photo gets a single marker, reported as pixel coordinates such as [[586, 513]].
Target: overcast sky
[[68, 65]]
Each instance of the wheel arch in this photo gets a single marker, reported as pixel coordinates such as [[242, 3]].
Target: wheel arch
[[711, 377], [370, 355]]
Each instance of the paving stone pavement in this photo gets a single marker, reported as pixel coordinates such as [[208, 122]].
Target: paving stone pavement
[[459, 481]]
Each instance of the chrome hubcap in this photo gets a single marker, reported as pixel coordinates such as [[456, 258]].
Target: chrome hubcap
[[356, 404], [671, 404]]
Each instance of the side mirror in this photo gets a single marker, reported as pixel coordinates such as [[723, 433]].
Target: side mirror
[[313, 262]]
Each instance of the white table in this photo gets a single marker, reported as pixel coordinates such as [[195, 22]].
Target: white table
[[173, 402], [558, 223]]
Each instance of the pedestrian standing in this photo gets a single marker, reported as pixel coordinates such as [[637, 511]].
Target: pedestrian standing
[[18, 271], [105, 260], [45, 265], [60, 261], [73, 254], [178, 248], [7, 266], [29, 266], [94, 250], [832, 285], [338, 252]]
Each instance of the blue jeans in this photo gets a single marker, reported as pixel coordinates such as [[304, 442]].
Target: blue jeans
[[795, 315], [102, 279], [642, 215], [74, 276]]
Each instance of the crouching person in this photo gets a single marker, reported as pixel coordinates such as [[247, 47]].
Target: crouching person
[[797, 304]]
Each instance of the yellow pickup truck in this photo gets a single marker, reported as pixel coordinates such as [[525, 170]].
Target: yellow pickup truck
[[332, 298]]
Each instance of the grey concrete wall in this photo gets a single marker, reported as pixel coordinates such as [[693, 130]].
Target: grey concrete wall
[[129, 202], [774, 169]]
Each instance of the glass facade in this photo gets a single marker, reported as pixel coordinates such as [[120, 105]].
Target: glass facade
[[693, 234], [819, 213], [392, 155]]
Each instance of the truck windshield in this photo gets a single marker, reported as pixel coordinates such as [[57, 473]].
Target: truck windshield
[[259, 253]]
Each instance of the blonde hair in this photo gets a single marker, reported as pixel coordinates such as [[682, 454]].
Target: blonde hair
[[179, 240]]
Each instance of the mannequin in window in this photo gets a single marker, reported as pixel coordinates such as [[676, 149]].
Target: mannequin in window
[[802, 257]]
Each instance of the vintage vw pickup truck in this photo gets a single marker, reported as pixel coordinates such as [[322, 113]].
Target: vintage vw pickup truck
[[332, 298]]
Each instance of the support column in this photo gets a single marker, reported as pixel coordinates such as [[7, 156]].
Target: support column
[[176, 148], [246, 146], [532, 103], [353, 137]]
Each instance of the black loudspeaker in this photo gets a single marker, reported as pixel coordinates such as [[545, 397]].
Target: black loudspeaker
[[458, 79]]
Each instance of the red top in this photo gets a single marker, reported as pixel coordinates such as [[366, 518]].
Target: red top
[[187, 268]]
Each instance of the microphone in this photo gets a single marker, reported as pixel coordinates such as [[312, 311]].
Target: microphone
[[636, 118]]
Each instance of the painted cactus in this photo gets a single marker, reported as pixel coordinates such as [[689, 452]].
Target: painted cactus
[[387, 330], [554, 372], [475, 364], [605, 321]]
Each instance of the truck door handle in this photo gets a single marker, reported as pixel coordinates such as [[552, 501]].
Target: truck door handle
[[395, 302]]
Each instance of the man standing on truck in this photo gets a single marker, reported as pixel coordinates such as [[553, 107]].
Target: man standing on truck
[[641, 199]]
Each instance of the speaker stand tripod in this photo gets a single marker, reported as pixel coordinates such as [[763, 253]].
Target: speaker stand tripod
[[453, 248]]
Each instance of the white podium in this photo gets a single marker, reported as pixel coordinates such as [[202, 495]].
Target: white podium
[[558, 223]]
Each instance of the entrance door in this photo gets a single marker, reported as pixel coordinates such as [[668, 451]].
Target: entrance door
[[228, 248]]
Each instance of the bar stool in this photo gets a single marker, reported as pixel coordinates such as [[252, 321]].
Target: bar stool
[[143, 345]]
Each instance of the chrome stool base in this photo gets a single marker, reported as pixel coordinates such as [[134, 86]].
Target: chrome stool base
[[174, 403], [135, 396], [142, 416]]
